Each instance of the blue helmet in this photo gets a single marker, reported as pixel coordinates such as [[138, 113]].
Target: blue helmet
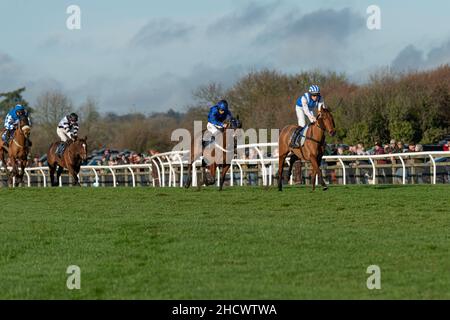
[[223, 105], [314, 89], [19, 107]]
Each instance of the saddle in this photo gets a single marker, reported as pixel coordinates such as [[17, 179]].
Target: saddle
[[298, 137]]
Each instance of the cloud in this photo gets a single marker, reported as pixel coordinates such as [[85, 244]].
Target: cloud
[[10, 72], [332, 25], [161, 31], [167, 90], [412, 59], [320, 39], [254, 14]]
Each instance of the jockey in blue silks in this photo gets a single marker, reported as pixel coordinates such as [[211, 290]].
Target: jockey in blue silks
[[217, 115], [12, 120], [308, 104]]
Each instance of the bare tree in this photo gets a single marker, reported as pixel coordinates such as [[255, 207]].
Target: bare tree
[[51, 107]]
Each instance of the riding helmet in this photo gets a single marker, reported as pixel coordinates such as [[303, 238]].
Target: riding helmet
[[314, 89], [73, 117], [223, 105]]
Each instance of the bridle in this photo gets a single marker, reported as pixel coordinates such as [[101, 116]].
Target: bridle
[[20, 129], [318, 126]]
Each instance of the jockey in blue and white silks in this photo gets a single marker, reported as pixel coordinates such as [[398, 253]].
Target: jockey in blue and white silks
[[308, 104], [217, 115], [12, 120]]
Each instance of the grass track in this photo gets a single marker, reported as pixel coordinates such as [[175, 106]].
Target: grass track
[[243, 243]]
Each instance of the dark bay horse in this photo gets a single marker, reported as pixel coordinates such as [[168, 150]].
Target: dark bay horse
[[17, 150], [312, 150], [225, 147], [74, 154]]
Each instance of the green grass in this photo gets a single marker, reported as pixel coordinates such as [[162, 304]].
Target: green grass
[[243, 243]]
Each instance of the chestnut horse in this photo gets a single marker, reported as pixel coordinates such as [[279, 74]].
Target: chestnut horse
[[312, 150], [74, 154], [17, 150], [225, 146]]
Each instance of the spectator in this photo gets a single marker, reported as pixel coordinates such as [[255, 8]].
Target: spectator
[[379, 150], [107, 155], [400, 148], [122, 159], [447, 146]]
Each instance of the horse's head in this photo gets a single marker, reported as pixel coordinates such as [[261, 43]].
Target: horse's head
[[24, 126], [234, 123], [81, 147], [325, 119]]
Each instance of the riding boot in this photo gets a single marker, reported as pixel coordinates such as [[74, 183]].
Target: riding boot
[[8, 137], [296, 140], [60, 149], [207, 143]]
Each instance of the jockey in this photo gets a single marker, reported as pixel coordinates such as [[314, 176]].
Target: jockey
[[67, 131], [12, 120], [307, 104], [216, 117]]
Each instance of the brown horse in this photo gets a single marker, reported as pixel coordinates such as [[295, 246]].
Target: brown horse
[[17, 150], [226, 146], [74, 154], [312, 150]]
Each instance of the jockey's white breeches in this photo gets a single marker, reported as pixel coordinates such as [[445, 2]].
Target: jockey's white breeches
[[62, 134], [300, 116], [212, 128]]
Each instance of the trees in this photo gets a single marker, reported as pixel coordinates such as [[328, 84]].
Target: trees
[[10, 99]]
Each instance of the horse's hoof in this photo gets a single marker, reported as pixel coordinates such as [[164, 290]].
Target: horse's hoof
[[325, 188]]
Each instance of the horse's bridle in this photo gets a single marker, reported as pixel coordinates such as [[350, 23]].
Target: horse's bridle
[[317, 123]]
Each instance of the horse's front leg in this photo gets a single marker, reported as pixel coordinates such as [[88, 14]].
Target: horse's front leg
[[315, 172], [292, 161], [222, 176], [13, 173], [321, 179], [74, 173], [21, 172], [188, 182], [58, 175]]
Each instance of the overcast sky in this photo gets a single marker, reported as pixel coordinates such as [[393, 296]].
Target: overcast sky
[[149, 55]]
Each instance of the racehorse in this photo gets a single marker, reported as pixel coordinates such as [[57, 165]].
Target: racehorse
[[312, 150], [17, 150], [74, 154], [225, 146]]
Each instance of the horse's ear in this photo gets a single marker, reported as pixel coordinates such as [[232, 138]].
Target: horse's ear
[[237, 117], [85, 138]]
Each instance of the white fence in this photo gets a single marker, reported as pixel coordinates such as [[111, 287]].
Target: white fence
[[169, 169]]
